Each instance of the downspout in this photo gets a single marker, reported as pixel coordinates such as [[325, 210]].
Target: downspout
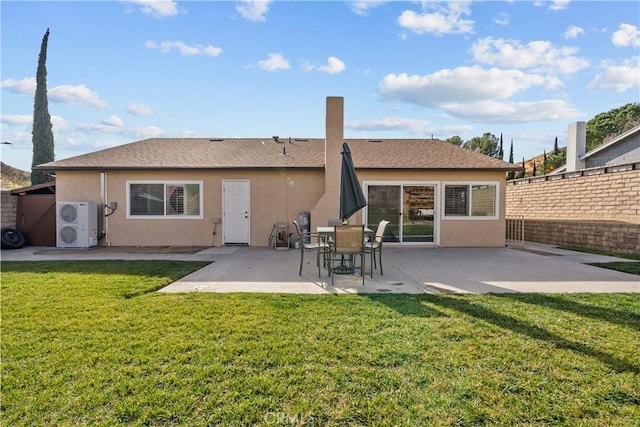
[[103, 204]]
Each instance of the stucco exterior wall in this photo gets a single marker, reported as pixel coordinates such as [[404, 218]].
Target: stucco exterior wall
[[275, 196], [452, 232]]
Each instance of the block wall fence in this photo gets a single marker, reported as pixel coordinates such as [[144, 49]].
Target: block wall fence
[[8, 207], [596, 208]]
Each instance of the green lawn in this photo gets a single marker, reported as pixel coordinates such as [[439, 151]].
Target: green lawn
[[89, 343]]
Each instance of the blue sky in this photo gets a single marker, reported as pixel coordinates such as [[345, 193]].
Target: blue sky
[[122, 71]]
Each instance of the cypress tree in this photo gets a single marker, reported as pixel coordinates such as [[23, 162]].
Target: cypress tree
[[42, 134], [500, 151], [555, 146], [511, 174], [544, 162], [533, 172]]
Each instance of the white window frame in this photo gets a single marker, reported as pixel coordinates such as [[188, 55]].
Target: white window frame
[[164, 183], [469, 216]]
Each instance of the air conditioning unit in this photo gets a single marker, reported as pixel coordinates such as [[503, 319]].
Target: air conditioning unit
[[77, 224]]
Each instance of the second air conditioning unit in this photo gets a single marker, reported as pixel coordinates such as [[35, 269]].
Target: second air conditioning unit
[[77, 224]]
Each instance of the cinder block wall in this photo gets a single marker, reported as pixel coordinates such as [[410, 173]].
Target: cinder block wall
[[597, 208], [8, 206]]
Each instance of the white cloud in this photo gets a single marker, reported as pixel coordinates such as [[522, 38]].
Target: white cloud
[[627, 35], [476, 93], [559, 4], [618, 77], [253, 10], [80, 94], [138, 109], [363, 7], [446, 19], [275, 62], [333, 66], [459, 85], [502, 19], [26, 86], [390, 123], [514, 112], [114, 121], [573, 31], [414, 126], [155, 8], [536, 55], [16, 119], [59, 124], [184, 49], [66, 94]]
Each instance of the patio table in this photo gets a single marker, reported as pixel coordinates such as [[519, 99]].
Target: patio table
[[327, 232]]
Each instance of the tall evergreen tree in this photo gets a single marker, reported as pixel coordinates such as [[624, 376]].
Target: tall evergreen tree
[[500, 150], [511, 174], [555, 146], [533, 171], [42, 134]]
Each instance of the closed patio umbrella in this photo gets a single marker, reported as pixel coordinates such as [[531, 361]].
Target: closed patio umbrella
[[351, 196]]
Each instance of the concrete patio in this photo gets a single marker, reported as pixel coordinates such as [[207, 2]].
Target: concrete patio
[[413, 270]]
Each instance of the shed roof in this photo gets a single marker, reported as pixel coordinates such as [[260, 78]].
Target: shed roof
[[236, 153]]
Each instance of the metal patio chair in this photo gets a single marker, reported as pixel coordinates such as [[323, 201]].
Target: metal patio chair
[[308, 242], [376, 246], [348, 243]]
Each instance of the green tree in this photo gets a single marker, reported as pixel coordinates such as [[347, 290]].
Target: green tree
[[555, 160], [544, 162], [521, 173], [42, 134], [455, 140], [500, 154], [555, 146], [486, 144], [607, 125], [511, 174]]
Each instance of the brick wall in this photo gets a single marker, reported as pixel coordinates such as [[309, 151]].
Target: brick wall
[[597, 208], [8, 206]]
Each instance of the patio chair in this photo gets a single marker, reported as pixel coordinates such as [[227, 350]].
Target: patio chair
[[376, 246], [310, 242], [348, 243]]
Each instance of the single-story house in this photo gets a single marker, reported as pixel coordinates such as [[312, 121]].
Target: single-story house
[[620, 150], [223, 191]]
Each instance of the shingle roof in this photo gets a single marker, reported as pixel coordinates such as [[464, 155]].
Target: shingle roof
[[204, 153]]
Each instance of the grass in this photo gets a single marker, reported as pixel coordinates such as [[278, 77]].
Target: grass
[[89, 343], [625, 267]]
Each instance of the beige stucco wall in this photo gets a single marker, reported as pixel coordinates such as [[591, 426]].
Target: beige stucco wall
[[468, 232], [275, 196]]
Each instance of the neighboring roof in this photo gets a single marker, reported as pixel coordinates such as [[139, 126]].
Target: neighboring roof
[[602, 147], [605, 145], [204, 153], [45, 188]]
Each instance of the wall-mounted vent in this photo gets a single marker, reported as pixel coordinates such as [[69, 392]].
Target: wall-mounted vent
[[375, 140], [216, 139]]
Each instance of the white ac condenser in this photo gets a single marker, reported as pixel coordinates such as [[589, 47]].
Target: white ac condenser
[[77, 224]]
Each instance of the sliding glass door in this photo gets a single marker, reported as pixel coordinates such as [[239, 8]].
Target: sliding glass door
[[410, 208]]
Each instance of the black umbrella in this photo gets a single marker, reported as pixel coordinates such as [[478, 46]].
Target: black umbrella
[[351, 196]]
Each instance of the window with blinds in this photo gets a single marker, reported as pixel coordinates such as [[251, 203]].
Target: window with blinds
[[470, 200], [164, 199]]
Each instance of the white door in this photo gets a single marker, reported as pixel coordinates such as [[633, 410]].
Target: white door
[[236, 211]]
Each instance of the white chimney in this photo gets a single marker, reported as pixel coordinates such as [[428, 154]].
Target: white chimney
[[576, 146]]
